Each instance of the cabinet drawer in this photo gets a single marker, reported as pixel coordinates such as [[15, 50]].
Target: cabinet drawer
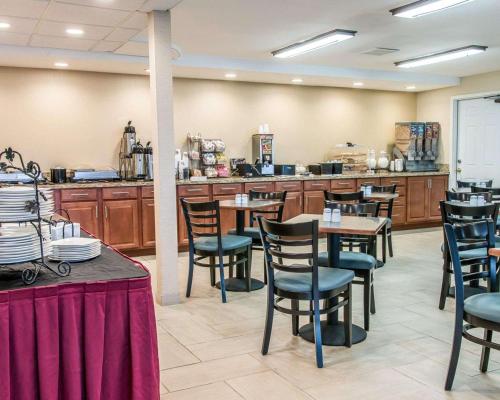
[[78, 194], [289, 186], [343, 184], [400, 201], [393, 181], [317, 185], [367, 181], [148, 192], [119, 193], [193, 190], [227, 188], [398, 215], [259, 187]]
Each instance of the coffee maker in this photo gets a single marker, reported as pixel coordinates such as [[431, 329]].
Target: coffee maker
[[128, 142], [263, 153], [136, 161]]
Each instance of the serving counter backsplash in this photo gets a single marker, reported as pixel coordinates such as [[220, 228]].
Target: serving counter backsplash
[[76, 119]]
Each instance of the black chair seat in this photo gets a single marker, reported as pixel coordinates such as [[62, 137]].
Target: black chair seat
[[350, 260], [328, 279], [250, 231], [485, 306], [229, 242]]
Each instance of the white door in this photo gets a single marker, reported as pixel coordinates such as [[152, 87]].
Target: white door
[[478, 151]]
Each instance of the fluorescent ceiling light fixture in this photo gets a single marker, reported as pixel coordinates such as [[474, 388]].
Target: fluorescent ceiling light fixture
[[60, 64], [74, 31], [424, 7], [297, 80], [441, 57], [317, 42], [230, 75], [4, 25], [358, 84], [411, 87]]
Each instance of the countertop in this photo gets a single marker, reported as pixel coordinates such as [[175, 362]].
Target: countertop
[[237, 179]]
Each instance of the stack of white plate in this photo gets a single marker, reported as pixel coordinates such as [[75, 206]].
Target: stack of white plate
[[75, 249], [13, 201], [20, 244]]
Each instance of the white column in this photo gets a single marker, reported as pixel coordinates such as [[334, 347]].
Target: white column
[[160, 65]]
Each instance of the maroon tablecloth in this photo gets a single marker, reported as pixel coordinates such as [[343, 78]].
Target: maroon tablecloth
[[91, 339]]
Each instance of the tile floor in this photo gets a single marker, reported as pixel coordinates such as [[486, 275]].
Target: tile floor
[[209, 350]]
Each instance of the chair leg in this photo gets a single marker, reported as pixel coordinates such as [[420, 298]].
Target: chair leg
[[190, 274], [445, 287], [372, 300], [212, 271], [367, 285], [248, 269], [317, 335], [311, 318], [389, 243], [348, 318], [265, 270], [222, 282], [295, 318], [384, 246], [455, 353], [231, 266], [269, 319], [485, 354]]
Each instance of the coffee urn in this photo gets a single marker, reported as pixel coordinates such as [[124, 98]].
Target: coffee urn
[[148, 158], [138, 162]]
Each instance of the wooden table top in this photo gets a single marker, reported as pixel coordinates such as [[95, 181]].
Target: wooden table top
[[495, 252], [348, 224], [381, 196], [250, 205]]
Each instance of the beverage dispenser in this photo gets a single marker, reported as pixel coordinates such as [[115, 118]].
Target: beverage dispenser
[[263, 152]]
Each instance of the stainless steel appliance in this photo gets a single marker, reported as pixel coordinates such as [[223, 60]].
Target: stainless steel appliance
[[16, 177], [80, 175], [128, 142], [148, 159], [138, 162], [263, 153]]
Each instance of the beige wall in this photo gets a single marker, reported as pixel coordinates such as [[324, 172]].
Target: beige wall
[[77, 118], [435, 105]]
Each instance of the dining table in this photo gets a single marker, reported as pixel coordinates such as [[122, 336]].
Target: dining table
[[238, 283], [332, 330], [380, 196]]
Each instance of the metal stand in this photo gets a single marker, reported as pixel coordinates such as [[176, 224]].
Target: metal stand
[[32, 170]]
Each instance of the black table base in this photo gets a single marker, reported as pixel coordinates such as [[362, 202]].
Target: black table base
[[332, 335], [239, 284]]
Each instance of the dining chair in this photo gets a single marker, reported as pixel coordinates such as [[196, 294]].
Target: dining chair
[[344, 196], [480, 310], [495, 192], [459, 214], [386, 208], [469, 184], [465, 196], [273, 214], [362, 263], [291, 255], [207, 242]]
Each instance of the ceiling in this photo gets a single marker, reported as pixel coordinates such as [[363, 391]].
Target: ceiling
[[219, 36]]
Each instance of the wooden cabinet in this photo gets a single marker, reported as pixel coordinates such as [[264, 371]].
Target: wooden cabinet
[[314, 202], [259, 187], [293, 205], [343, 185], [121, 223], [423, 196], [86, 213], [367, 181], [148, 222], [182, 235], [228, 217]]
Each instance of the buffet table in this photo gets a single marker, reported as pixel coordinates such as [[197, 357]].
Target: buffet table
[[91, 335]]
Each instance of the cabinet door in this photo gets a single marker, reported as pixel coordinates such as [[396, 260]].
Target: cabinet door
[[121, 223], [228, 217], [314, 202], [437, 193], [86, 213], [417, 199], [148, 222], [293, 205], [182, 235]]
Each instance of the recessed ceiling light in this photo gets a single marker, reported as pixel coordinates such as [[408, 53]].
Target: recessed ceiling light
[[4, 25], [358, 84], [411, 87], [60, 64], [230, 75], [75, 31], [424, 7], [441, 57], [297, 80], [317, 42]]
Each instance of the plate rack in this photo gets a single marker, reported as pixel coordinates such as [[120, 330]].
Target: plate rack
[[11, 160]]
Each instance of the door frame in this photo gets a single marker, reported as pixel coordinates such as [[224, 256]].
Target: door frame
[[453, 145]]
